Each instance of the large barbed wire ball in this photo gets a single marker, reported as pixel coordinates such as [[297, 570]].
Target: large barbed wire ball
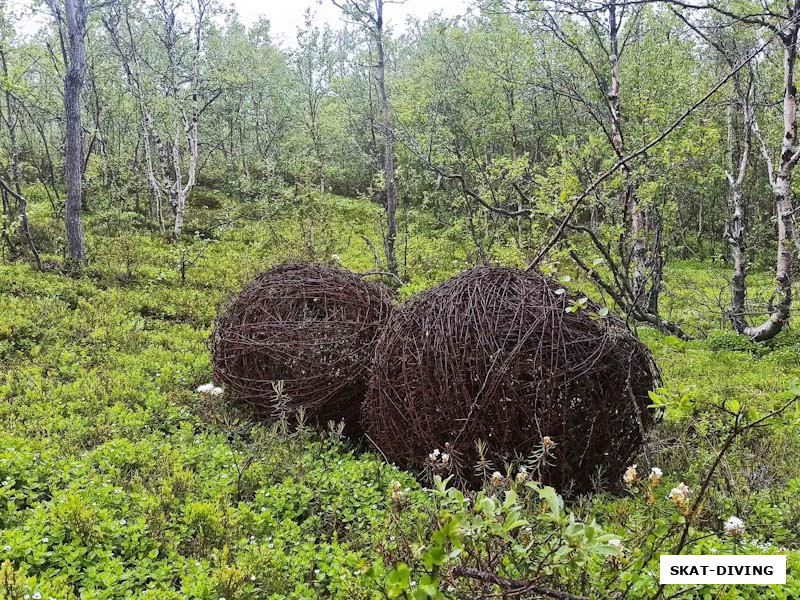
[[301, 336], [510, 361]]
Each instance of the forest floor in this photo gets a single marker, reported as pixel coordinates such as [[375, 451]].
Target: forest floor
[[117, 480]]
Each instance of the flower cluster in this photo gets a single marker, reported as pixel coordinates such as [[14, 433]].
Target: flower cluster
[[734, 527], [631, 475], [209, 389], [680, 496], [399, 494], [437, 456], [522, 475], [631, 478], [655, 476], [439, 460]]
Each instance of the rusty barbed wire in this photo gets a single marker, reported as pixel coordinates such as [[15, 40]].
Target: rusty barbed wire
[[311, 326], [494, 355]]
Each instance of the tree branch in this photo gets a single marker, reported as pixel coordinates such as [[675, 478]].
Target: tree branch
[[654, 142], [514, 584]]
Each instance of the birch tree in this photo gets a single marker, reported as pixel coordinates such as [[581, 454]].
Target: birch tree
[[369, 15], [612, 26], [780, 173], [165, 79], [784, 25]]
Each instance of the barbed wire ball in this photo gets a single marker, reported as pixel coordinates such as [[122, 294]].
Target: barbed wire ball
[[499, 367], [301, 335]]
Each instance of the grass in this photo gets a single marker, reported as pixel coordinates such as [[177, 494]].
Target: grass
[[117, 480]]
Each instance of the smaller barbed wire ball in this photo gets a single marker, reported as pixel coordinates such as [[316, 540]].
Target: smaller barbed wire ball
[[298, 336], [512, 362]]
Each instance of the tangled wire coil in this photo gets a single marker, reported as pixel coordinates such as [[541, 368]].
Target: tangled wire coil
[[310, 326], [512, 360]]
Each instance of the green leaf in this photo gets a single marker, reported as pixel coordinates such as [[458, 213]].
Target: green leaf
[[398, 581]]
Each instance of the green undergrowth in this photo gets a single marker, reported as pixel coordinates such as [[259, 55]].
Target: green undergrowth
[[118, 480]]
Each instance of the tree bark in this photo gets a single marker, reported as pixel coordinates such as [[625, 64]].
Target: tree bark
[[736, 225], [635, 218], [781, 181], [389, 185], [75, 17]]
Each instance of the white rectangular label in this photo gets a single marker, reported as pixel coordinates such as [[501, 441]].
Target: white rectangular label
[[757, 569]]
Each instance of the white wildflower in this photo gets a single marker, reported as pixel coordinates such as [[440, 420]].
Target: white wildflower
[[631, 476], [205, 388], [680, 495], [734, 526], [655, 475]]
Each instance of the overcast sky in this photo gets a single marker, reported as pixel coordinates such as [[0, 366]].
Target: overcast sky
[[287, 15], [284, 15]]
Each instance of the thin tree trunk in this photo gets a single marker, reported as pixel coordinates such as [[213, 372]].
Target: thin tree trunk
[[736, 225], [781, 180], [75, 16], [657, 264], [22, 203], [635, 216], [389, 185], [6, 188], [11, 127]]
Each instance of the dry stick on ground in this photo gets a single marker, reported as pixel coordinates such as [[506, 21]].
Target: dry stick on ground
[[375, 255], [652, 143]]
